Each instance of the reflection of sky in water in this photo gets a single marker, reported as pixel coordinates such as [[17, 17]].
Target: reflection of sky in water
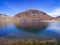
[[52, 31], [54, 26]]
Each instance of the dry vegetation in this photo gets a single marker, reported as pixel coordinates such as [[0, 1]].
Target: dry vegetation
[[29, 42]]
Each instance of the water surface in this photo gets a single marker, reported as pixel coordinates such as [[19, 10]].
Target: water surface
[[30, 30]]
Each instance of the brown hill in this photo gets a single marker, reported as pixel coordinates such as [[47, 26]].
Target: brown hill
[[4, 17], [33, 15]]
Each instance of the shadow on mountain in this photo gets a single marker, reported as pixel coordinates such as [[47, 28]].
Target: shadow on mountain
[[31, 26]]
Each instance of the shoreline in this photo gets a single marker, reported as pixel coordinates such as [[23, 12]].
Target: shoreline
[[29, 42], [38, 21], [30, 21]]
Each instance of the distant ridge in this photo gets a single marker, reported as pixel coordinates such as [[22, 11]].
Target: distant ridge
[[58, 17], [4, 17]]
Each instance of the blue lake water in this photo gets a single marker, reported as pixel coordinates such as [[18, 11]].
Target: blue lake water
[[30, 30]]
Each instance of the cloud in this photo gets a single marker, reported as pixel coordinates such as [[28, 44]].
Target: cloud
[[55, 12]]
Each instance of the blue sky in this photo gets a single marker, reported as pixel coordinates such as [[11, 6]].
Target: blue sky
[[12, 7]]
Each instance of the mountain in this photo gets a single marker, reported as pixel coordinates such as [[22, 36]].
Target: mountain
[[4, 17], [33, 15], [58, 17]]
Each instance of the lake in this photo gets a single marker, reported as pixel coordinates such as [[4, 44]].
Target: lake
[[30, 30]]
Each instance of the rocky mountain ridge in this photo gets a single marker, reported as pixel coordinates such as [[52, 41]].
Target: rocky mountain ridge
[[33, 15], [28, 15]]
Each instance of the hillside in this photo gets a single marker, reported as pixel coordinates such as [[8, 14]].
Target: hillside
[[32, 15], [4, 17]]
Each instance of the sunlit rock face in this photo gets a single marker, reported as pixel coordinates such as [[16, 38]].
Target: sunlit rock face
[[31, 26], [33, 15]]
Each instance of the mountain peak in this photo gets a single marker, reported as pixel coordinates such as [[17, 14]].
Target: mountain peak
[[34, 11], [33, 15]]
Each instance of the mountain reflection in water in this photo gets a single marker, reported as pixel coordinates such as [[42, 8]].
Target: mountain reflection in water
[[30, 30], [31, 26]]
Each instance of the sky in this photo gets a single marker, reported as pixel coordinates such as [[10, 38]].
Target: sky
[[12, 7]]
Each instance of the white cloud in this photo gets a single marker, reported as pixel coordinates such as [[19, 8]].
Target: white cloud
[[55, 12]]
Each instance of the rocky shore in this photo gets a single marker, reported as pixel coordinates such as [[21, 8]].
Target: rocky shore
[[29, 42]]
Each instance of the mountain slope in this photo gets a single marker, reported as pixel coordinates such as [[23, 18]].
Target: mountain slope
[[33, 15], [4, 17]]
